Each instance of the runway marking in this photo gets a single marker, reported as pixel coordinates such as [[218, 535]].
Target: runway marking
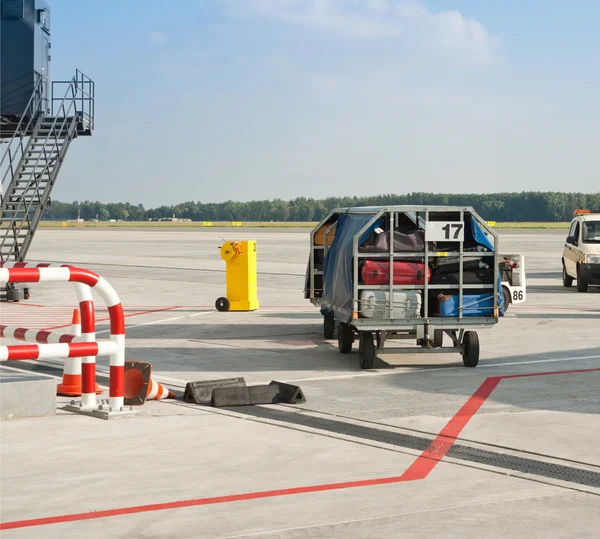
[[437, 450], [439, 447], [152, 311], [158, 321], [419, 470], [182, 382], [436, 369]]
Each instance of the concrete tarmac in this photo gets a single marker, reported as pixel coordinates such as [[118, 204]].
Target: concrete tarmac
[[417, 447]]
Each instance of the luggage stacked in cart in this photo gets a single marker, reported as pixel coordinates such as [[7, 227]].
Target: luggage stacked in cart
[[442, 272], [405, 272]]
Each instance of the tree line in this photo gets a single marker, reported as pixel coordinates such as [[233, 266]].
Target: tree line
[[501, 207]]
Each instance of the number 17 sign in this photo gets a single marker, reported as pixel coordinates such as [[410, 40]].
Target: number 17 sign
[[444, 231]]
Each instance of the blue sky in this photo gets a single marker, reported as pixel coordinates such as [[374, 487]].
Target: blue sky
[[248, 99]]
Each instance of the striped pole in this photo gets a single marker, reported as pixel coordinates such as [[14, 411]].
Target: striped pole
[[49, 351], [35, 336], [21, 272], [88, 334]]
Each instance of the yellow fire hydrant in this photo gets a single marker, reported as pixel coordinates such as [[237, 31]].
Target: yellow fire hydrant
[[240, 272]]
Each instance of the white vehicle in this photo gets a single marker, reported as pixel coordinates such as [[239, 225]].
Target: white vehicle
[[581, 254], [512, 271]]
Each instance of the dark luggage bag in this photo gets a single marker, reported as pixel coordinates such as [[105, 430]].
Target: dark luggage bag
[[479, 276], [452, 265]]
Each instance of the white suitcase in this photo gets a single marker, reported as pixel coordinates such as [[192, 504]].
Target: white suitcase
[[376, 304]]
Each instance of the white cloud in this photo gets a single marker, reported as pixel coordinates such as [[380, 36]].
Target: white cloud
[[448, 33], [158, 38]]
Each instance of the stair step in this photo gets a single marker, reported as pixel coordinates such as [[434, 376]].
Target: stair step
[[50, 144]]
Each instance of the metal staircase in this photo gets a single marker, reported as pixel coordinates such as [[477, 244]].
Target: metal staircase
[[33, 156]]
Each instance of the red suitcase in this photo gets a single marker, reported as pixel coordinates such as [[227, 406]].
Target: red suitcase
[[378, 272]]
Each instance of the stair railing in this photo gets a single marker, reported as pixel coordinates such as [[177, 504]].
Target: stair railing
[[76, 102], [15, 149]]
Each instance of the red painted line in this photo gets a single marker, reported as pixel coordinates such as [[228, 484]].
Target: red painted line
[[126, 316], [199, 501], [20, 304], [160, 310], [546, 373], [417, 471], [436, 451]]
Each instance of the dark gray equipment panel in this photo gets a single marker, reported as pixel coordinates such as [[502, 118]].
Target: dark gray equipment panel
[[25, 46]]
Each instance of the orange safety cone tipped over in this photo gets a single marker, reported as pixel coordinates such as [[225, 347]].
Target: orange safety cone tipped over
[[139, 386], [136, 382], [158, 391]]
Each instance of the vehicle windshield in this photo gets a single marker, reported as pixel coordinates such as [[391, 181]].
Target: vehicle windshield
[[591, 232]]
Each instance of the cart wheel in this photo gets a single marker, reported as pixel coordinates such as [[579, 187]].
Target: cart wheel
[[366, 350], [470, 349], [438, 338], [328, 326], [507, 298], [222, 304], [345, 338]]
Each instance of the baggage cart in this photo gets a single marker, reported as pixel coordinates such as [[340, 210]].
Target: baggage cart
[[458, 291]]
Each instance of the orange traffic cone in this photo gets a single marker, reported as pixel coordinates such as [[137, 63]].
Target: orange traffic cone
[[158, 391], [71, 381]]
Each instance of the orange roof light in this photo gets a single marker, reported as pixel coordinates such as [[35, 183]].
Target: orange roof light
[[579, 212]]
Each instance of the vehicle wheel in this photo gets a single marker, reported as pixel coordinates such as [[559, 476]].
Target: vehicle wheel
[[566, 278], [470, 349], [328, 326], [345, 338], [507, 298], [438, 338], [582, 284], [366, 350], [222, 304]]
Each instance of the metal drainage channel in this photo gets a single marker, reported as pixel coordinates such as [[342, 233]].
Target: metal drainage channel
[[457, 451]]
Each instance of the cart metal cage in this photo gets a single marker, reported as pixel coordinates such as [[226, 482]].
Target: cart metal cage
[[451, 236]]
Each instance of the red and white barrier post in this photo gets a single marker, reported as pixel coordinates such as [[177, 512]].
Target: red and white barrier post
[[88, 350]]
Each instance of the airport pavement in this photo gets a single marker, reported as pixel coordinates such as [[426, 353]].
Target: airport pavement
[[363, 457]]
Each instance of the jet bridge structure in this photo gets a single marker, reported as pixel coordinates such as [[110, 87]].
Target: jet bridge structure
[[39, 120]]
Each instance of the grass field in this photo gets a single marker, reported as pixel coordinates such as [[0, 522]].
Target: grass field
[[153, 224], [227, 224]]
